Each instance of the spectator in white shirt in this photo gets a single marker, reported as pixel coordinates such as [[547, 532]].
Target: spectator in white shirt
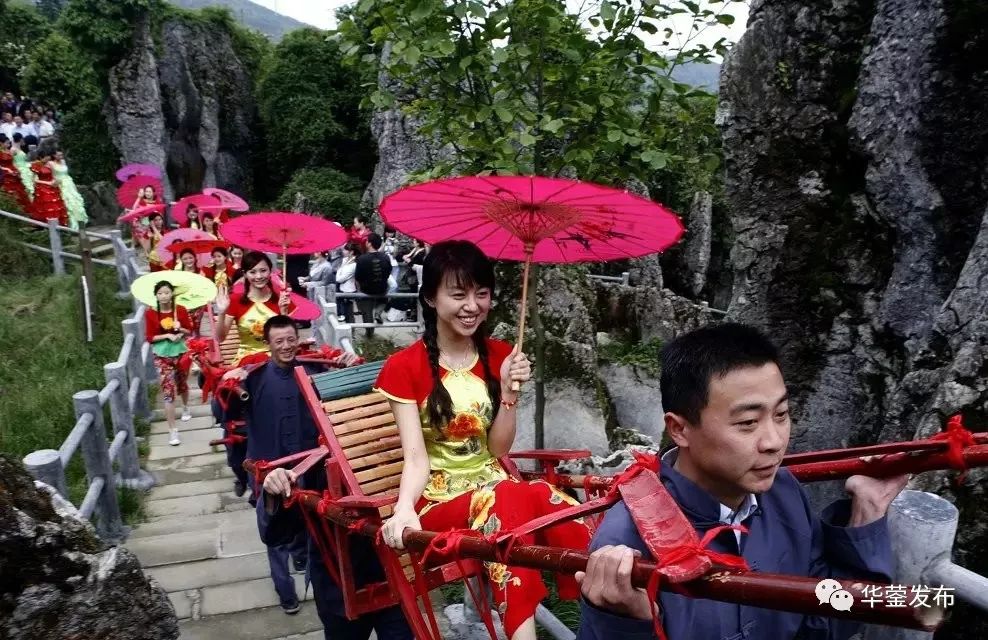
[[346, 281], [43, 127], [7, 126], [22, 128]]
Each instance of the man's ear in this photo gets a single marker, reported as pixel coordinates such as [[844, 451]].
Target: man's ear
[[676, 427]]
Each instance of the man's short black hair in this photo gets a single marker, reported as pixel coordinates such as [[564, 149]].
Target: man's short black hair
[[277, 322], [375, 241], [693, 359]]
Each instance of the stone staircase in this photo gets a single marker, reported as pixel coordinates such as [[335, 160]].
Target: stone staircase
[[200, 542]]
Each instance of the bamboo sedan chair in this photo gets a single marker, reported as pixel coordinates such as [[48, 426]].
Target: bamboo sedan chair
[[361, 451]]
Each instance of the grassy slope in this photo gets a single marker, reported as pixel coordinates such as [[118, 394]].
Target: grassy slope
[[45, 355]]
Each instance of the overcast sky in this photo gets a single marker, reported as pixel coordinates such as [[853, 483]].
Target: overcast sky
[[321, 13]]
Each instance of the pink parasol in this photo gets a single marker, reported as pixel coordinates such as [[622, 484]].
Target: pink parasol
[[141, 212], [201, 201], [284, 233], [167, 251], [199, 246], [127, 192], [229, 200], [534, 219], [305, 309], [129, 171]]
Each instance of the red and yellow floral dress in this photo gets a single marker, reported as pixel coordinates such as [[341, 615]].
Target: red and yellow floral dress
[[221, 278], [468, 487], [249, 319]]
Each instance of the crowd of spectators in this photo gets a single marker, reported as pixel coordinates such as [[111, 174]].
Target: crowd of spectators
[[31, 121]]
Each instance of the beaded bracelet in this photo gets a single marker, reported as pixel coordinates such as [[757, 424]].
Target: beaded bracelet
[[508, 405]]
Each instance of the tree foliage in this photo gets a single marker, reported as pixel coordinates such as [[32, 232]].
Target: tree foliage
[[20, 27], [525, 86], [60, 73], [326, 191], [86, 140], [310, 105], [104, 28]]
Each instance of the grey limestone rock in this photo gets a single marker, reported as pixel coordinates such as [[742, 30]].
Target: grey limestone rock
[[60, 581], [857, 182], [186, 106]]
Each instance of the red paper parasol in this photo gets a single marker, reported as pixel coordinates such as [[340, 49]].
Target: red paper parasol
[[229, 200], [127, 192], [129, 171], [202, 202], [165, 247], [141, 212], [284, 233], [534, 219], [203, 246]]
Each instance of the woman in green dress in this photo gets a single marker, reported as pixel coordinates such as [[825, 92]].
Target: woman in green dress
[[22, 165], [70, 195]]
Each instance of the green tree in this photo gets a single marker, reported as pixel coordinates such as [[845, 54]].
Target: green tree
[[104, 28], [310, 106], [60, 73], [525, 86], [20, 27], [86, 140], [50, 8], [326, 191]]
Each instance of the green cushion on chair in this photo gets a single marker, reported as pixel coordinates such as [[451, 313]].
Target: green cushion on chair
[[343, 383]]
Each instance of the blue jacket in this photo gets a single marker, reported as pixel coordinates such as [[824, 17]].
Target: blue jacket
[[279, 424], [784, 536]]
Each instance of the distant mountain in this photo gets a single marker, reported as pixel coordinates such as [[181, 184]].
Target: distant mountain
[[699, 75], [272, 24]]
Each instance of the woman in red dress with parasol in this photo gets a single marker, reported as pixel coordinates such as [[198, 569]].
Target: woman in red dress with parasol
[[47, 197], [211, 226], [155, 231], [221, 271], [249, 311], [451, 394]]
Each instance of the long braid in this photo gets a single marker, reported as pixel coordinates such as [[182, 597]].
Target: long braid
[[493, 384], [439, 403]]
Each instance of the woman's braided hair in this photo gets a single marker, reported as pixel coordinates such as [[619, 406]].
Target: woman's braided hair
[[462, 263]]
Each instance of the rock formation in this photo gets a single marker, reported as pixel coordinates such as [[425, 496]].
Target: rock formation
[[185, 105], [60, 581], [856, 158]]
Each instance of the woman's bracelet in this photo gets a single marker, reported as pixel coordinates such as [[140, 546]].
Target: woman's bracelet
[[508, 405]]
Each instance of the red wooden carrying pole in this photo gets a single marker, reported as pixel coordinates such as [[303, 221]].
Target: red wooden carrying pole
[[771, 591], [906, 457]]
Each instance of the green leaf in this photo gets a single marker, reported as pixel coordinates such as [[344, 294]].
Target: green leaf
[[553, 125], [526, 139], [466, 62], [504, 114], [607, 11], [613, 135], [412, 55], [446, 47], [725, 19]]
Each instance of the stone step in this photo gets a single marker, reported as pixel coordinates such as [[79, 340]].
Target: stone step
[[183, 475], [201, 422], [192, 545], [208, 573], [199, 437], [200, 505], [186, 489], [162, 462], [226, 520], [198, 411], [260, 624], [234, 597]]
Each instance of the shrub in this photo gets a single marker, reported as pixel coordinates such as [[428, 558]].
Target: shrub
[[326, 191], [60, 73]]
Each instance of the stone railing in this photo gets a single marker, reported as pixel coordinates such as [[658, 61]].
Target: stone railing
[[128, 379]]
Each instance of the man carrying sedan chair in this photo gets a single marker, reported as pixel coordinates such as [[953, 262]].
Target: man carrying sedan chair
[[278, 425], [727, 411]]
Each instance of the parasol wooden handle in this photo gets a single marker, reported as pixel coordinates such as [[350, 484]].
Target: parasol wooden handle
[[515, 386]]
